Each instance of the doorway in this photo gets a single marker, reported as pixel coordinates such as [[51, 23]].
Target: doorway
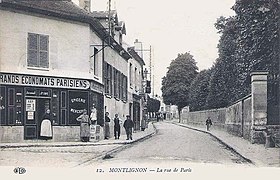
[[35, 110]]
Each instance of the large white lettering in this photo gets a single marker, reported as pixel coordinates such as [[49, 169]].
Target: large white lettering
[[30, 80]]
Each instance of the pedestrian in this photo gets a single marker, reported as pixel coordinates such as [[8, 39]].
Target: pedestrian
[[107, 125], [128, 125], [208, 123], [117, 127], [46, 126], [93, 115], [84, 126]]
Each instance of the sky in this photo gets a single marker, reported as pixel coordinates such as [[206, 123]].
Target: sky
[[171, 27]]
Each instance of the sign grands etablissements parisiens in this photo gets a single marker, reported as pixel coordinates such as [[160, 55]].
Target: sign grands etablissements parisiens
[[43, 81]]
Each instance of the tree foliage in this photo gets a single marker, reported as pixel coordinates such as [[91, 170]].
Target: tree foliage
[[224, 74], [176, 84], [153, 105], [249, 42], [199, 90]]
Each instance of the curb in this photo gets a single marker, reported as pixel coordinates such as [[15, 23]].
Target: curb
[[78, 144], [108, 155], [220, 140]]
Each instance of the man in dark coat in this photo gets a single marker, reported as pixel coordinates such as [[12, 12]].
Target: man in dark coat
[[208, 123], [107, 126], [128, 125], [117, 127]]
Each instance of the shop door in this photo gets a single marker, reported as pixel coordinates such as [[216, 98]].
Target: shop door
[[35, 109], [136, 115]]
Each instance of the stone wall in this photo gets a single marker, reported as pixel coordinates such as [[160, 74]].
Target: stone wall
[[246, 118], [66, 133], [11, 134], [218, 117], [235, 119]]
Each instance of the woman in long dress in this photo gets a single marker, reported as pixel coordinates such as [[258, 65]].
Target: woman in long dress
[[84, 127], [46, 126]]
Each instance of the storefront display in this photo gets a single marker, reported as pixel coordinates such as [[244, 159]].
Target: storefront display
[[24, 104]]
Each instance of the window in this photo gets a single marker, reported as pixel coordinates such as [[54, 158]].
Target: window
[[38, 50], [116, 83], [124, 88], [120, 80], [108, 79]]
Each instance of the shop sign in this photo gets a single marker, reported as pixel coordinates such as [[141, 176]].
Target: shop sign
[[43, 81], [96, 87]]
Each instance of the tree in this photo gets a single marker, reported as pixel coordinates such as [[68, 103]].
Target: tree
[[153, 105], [223, 81], [258, 50], [199, 90], [176, 84]]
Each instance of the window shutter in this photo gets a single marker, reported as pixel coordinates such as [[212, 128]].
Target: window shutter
[[44, 48], [32, 57], [38, 50]]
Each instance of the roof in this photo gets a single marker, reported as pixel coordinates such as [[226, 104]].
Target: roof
[[135, 55], [104, 14], [65, 9]]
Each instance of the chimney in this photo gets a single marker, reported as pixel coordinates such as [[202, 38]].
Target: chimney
[[138, 48], [85, 4]]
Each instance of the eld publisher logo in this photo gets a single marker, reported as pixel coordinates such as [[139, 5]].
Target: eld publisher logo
[[19, 170]]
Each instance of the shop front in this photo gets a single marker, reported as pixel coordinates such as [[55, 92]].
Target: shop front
[[24, 100]]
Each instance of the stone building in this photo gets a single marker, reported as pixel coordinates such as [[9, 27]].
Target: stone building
[[55, 55], [136, 89]]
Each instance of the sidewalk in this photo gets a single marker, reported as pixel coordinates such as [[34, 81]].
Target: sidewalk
[[137, 136], [257, 153]]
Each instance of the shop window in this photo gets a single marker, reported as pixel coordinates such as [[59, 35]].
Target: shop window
[[55, 107], [19, 107], [14, 108], [63, 116], [78, 101], [11, 97], [11, 115], [38, 51], [63, 99], [63, 108]]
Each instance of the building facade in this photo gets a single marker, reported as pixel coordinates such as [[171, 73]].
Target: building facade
[[47, 62], [136, 89]]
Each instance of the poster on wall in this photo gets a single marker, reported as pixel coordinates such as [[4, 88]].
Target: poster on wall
[[30, 115], [30, 104]]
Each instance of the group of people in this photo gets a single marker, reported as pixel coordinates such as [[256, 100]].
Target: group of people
[[128, 125], [87, 120]]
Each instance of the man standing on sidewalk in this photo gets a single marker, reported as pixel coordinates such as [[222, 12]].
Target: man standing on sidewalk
[[107, 126], [128, 125], [117, 127], [208, 123]]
